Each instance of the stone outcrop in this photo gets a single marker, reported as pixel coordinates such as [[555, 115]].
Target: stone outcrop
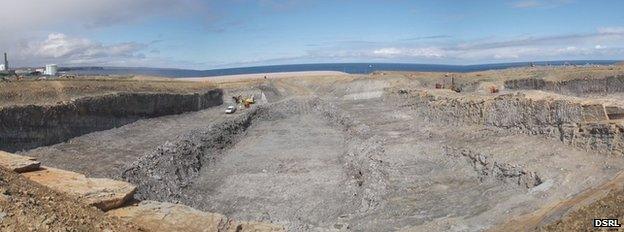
[[161, 216], [18, 163], [30, 126], [102, 193], [488, 169], [588, 125]]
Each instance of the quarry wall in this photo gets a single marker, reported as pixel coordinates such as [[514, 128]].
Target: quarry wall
[[612, 84], [30, 126], [581, 124]]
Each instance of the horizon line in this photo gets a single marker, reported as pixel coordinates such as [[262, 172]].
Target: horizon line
[[330, 63]]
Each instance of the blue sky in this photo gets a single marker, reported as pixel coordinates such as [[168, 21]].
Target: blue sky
[[215, 34]]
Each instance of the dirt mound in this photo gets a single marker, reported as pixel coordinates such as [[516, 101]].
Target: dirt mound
[[26, 206]]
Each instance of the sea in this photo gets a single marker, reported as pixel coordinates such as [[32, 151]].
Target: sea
[[352, 68]]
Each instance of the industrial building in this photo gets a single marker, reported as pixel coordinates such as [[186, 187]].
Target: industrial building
[[5, 67], [50, 70]]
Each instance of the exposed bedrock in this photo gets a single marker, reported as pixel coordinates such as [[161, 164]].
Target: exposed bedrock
[[586, 125], [612, 84], [489, 170], [30, 126], [167, 173]]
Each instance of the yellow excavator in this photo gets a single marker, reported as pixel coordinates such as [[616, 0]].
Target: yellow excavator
[[245, 101], [248, 101]]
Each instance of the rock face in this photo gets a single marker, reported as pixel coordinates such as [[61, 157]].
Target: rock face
[[102, 193], [587, 125], [29, 126], [613, 84], [161, 179], [162, 216], [18, 163], [162, 173]]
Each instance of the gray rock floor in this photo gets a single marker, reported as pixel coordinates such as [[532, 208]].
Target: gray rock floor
[[107, 153]]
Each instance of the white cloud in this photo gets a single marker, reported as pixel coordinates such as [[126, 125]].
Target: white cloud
[[388, 52], [426, 52], [611, 30], [527, 4], [605, 43], [32, 27], [60, 48], [39, 14]]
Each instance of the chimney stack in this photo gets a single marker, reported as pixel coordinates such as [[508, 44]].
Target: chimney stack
[[6, 61]]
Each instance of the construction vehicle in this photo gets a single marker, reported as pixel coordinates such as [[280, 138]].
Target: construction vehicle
[[230, 110], [244, 101], [248, 101]]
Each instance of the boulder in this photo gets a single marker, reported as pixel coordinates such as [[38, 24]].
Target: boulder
[[18, 163], [102, 193]]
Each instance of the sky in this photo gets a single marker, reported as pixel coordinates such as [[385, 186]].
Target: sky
[[209, 34]]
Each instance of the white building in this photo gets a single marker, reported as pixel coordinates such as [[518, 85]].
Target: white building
[[2, 68], [50, 69]]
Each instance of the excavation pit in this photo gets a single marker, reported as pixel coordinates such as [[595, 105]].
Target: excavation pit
[[365, 156]]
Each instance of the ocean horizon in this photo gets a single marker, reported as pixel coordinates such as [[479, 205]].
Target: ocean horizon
[[351, 68]]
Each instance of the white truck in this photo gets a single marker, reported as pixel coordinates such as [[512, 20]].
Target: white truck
[[230, 110]]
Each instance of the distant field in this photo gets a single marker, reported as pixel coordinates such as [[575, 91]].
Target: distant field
[[52, 91]]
